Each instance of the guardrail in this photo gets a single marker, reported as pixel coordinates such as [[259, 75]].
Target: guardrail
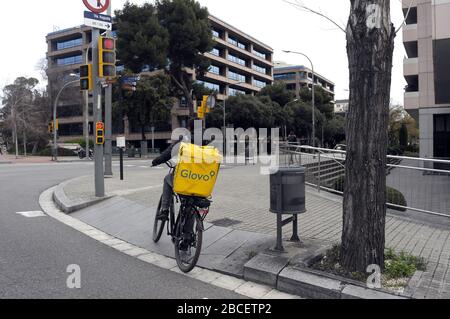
[[415, 184]]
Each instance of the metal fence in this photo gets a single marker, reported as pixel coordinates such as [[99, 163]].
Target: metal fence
[[416, 184]]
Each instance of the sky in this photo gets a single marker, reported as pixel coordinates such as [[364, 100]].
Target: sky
[[24, 25]]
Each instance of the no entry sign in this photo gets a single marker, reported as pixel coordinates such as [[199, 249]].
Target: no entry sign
[[97, 6]]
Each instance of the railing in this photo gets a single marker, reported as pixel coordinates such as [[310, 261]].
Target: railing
[[414, 184]]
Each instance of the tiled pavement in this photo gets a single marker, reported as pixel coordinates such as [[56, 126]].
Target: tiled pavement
[[241, 200]]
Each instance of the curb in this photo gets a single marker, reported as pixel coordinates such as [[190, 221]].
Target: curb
[[239, 286], [69, 206], [276, 272]]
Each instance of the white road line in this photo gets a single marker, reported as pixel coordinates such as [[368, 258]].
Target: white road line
[[240, 286], [32, 214]]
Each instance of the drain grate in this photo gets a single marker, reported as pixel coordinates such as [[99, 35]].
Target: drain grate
[[226, 222]]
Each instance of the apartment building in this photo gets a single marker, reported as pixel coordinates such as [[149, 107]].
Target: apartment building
[[297, 77], [426, 38], [240, 64], [341, 107]]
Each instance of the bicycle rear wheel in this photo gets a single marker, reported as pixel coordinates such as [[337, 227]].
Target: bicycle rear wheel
[[188, 251], [158, 225]]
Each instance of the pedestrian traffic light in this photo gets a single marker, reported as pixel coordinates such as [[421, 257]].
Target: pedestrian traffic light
[[50, 127], [86, 79], [100, 133], [106, 57]]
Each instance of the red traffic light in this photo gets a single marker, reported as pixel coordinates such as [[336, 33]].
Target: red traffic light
[[108, 44], [100, 126]]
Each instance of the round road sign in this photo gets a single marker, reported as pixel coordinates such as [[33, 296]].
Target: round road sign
[[97, 6]]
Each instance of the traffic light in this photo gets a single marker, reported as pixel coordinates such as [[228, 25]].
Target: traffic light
[[203, 108], [51, 127], [86, 79], [106, 57], [100, 133]]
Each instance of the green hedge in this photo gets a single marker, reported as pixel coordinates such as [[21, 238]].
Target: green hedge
[[48, 151], [82, 142], [393, 196]]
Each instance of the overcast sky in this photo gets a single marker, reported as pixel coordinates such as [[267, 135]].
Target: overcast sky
[[24, 25]]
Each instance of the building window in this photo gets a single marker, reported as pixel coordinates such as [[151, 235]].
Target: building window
[[76, 59], [260, 54], [259, 84], [237, 60], [237, 43], [215, 52], [236, 76], [291, 87], [215, 33], [69, 44], [214, 69], [211, 86], [259, 69], [234, 92], [285, 76]]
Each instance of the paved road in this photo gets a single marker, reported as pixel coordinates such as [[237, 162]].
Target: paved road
[[35, 252]]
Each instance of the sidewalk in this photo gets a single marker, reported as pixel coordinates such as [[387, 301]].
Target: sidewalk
[[241, 224]]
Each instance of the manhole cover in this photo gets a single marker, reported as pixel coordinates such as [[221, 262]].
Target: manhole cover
[[225, 222]]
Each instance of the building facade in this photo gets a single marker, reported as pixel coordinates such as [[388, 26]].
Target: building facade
[[297, 77], [341, 107], [240, 64], [426, 37]]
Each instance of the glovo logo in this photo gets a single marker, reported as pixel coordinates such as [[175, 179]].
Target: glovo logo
[[197, 177]]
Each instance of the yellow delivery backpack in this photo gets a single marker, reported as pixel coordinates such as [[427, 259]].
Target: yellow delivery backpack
[[197, 170]]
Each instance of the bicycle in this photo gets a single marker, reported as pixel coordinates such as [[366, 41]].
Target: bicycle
[[186, 229]]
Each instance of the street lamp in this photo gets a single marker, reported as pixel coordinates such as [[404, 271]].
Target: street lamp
[[55, 146], [313, 96], [225, 119]]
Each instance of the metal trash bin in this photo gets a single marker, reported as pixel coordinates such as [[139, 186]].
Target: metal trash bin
[[287, 197]]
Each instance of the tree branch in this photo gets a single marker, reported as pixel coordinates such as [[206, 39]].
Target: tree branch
[[302, 7], [406, 17]]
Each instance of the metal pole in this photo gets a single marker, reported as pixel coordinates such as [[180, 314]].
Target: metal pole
[[98, 149], [313, 106], [224, 126], [108, 119], [86, 99], [121, 163], [55, 105]]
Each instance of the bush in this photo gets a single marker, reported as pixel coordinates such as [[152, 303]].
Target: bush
[[401, 265], [393, 196], [48, 151], [81, 142]]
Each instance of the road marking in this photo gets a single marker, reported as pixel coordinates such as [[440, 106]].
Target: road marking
[[32, 214]]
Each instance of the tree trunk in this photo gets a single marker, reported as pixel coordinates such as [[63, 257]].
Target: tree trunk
[[370, 46]]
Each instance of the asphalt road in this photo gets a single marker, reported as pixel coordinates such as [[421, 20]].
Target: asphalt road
[[35, 252]]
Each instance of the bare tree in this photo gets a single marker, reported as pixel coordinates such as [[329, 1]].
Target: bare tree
[[370, 45]]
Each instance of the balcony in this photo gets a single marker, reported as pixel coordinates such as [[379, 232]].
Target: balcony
[[411, 66], [410, 33], [411, 100]]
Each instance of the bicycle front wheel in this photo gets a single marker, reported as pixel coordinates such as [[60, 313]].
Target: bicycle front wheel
[[189, 245], [158, 225]]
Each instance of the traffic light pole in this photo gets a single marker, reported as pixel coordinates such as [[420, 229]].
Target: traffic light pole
[[98, 148], [108, 121]]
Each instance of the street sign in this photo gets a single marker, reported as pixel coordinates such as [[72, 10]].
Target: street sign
[[97, 6], [96, 20], [121, 142]]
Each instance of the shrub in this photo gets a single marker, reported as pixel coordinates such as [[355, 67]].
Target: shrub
[[48, 151], [393, 196], [82, 142], [401, 265]]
